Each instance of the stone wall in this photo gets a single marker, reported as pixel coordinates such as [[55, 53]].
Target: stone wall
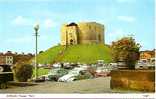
[[143, 80], [82, 33], [91, 32]]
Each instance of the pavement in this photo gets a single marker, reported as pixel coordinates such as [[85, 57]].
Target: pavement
[[97, 85]]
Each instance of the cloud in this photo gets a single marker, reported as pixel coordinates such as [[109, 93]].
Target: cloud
[[126, 18], [48, 23], [20, 20], [117, 33]]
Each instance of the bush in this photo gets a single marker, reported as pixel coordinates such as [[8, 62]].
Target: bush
[[23, 72], [127, 50]]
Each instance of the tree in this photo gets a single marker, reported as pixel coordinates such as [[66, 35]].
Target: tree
[[41, 52], [23, 71], [126, 49]]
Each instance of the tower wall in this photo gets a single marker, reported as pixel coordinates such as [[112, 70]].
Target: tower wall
[[82, 33], [91, 32]]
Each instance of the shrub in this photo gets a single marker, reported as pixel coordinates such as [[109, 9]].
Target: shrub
[[127, 50], [23, 72]]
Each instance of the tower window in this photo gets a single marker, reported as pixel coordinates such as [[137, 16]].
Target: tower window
[[71, 41]]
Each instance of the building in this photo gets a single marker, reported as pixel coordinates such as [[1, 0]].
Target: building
[[82, 33], [22, 57], [6, 59], [2, 60], [10, 58], [147, 54], [147, 60]]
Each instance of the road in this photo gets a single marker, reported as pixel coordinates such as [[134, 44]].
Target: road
[[97, 85]]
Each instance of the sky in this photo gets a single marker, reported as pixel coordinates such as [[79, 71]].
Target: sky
[[120, 18]]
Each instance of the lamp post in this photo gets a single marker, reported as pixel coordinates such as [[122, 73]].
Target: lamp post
[[36, 28]]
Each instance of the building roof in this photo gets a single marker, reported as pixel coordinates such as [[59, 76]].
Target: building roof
[[72, 24]]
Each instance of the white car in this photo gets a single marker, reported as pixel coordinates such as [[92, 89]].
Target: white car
[[56, 65], [44, 77], [85, 67], [141, 65], [71, 75]]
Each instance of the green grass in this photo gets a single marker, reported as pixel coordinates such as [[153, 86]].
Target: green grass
[[76, 53], [87, 53], [41, 71], [49, 55]]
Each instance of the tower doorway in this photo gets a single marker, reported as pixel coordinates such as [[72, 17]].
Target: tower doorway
[[99, 38]]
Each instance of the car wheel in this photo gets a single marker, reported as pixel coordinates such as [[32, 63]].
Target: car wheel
[[3, 85], [74, 79], [1, 69], [55, 78]]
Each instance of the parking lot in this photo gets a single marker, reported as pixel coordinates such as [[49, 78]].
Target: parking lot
[[62, 80], [97, 85]]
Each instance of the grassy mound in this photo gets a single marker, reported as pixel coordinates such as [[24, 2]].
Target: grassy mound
[[49, 55], [76, 53]]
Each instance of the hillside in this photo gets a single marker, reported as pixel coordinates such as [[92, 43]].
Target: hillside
[[76, 53]]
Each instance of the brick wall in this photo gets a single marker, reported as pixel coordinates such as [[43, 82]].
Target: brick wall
[[2, 60]]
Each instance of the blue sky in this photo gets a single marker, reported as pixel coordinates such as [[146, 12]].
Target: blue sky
[[120, 17]]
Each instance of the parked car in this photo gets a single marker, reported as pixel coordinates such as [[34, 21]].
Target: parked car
[[102, 72], [145, 64], [6, 75], [141, 65], [44, 77], [68, 66], [41, 65], [57, 65], [113, 66], [85, 66], [56, 73], [151, 64], [71, 76], [100, 62], [85, 74]]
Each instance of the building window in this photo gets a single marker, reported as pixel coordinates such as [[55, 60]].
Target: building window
[[71, 42], [9, 60]]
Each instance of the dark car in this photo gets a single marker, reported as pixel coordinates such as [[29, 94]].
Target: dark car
[[5, 75], [56, 73], [84, 75], [5, 68]]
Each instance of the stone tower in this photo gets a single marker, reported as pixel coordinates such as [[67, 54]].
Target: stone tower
[[82, 33]]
